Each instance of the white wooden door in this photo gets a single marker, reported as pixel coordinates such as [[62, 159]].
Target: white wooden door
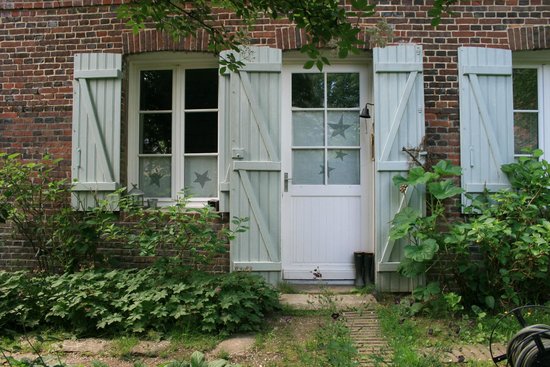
[[325, 166]]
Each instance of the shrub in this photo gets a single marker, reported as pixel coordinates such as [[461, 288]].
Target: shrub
[[37, 204], [508, 230], [133, 301], [511, 231], [65, 240]]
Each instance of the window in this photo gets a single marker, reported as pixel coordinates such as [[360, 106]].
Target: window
[[531, 84], [173, 131], [526, 109], [325, 129]]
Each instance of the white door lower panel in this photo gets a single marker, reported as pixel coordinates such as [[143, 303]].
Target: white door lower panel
[[323, 234]]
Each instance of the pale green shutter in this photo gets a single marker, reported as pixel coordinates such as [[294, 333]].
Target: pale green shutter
[[96, 127], [251, 113], [399, 123], [486, 117]]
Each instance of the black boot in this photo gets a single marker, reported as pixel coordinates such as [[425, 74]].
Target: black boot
[[368, 268], [358, 258]]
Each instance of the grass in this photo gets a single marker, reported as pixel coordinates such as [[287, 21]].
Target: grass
[[122, 347], [422, 341]]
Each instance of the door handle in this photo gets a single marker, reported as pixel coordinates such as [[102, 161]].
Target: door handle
[[286, 181]]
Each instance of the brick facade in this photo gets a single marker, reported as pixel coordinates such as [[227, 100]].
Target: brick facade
[[39, 38]]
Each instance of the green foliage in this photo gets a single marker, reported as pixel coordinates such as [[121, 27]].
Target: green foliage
[[65, 240], [331, 346], [198, 360], [134, 301], [190, 232], [327, 23], [510, 230], [36, 202], [423, 232]]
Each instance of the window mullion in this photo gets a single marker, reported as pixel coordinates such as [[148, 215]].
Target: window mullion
[[179, 131]]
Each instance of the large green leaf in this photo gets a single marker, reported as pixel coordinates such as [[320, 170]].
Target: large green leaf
[[422, 252], [410, 268], [444, 189], [416, 176], [402, 222], [445, 168]]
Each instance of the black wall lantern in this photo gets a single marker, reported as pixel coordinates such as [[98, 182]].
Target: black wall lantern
[[136, 197], [365, 113]]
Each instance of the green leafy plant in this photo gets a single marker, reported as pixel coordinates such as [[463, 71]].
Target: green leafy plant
[[190, 236], [510, 232], [135, 301], [423, 231], [36, 202]]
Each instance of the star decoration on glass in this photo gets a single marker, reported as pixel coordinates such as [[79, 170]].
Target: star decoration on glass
[[155, 179], [340, 155], [202, 179], [323, 170], [339, 128]]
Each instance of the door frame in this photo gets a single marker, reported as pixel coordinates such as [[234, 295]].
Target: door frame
[[294, 63]]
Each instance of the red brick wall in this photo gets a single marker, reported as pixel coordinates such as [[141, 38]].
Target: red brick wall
[[39, 38]]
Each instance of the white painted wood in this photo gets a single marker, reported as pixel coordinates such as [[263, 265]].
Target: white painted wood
[[257, 266], [251, 115], [486, 117], [323, 225], [96, 127], [399, 123]]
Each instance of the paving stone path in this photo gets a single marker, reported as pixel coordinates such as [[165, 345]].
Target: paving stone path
[[365, 331]]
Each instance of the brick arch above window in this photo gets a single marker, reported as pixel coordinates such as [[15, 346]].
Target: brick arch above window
[[284, 37], [151, 40], [529, 38]]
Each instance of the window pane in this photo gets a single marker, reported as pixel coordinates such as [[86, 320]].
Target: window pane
[[201, 132], [155, 91], [525, 131], [201, 88], [343, 128], [201, 176], [343, 90], [308, 90], [308, 167], [155, 133], [345, 165], [155, 176], [525, 89], [308, 129]]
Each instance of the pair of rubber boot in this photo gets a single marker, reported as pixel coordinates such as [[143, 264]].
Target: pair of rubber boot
[[364, 268]]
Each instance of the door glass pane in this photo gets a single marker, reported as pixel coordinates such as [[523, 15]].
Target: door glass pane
[[308, 167], [155, 133], [343, 90], [201, 176], [201, 88], [155, 91], [525, 89], [345, 167], [308, 129], [308, 90], [201, 132], [155, 176], [343, 128], [526, 134]]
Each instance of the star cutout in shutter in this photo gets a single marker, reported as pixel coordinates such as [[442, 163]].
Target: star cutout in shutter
[[202, 179], [340, 155], [323, 170], [339, 128]]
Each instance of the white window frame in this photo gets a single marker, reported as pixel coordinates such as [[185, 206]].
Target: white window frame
[[539, 60], [178, 63]]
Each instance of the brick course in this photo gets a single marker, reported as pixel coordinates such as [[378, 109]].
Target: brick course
[[39, 38]]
